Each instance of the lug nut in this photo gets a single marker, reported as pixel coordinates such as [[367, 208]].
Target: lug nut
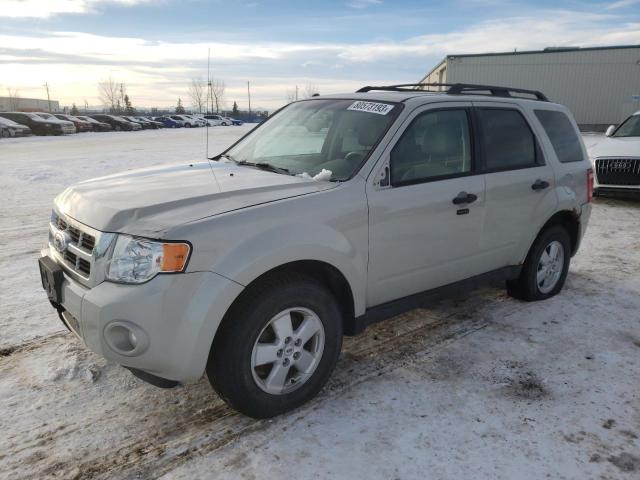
[[287, 340], [298, 342], [296, 355], [285, 362], [279, 353]]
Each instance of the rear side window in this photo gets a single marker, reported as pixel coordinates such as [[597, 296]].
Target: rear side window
[[561, 134], [507, 139]]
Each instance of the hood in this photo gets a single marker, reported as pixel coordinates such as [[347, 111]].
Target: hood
[[147, 202], [615, 147]]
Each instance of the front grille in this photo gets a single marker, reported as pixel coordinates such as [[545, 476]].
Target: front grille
[[78, 255], [618, 171], [79, 238]]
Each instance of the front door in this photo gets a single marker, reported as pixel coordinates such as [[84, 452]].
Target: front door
[[426, 206]]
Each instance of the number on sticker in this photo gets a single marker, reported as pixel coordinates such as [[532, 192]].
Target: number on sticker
[[371, 107]]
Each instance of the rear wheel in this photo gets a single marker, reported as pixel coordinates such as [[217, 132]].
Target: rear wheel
[[277, 347], [546, 267]]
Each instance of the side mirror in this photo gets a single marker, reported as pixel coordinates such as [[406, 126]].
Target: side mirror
[[610, 130]]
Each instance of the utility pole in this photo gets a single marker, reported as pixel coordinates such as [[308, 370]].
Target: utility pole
[[249, 95], [46, 85], [86, 106], [296, 93]]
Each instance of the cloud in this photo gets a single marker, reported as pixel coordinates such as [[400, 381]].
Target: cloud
[[48, 8], [622, 4], [360, 4], [155, 71]]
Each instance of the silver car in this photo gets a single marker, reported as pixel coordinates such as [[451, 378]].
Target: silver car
[[336, 212]]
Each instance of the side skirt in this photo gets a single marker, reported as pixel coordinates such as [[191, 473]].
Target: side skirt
[[422, 299]]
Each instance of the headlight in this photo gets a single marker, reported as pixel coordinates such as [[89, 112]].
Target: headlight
[[137, 260]]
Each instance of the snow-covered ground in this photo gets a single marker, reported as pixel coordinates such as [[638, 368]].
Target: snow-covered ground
[[477, 387]]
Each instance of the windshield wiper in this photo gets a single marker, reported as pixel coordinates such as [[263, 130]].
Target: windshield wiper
[[265, 166], [225, 155]]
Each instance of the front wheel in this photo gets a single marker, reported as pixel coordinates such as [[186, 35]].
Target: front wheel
[[277, 347], [546, 267]]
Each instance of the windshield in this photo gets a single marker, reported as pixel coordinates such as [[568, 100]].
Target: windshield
[[629, 128], [46, 115], [6, 121], [309, 136]]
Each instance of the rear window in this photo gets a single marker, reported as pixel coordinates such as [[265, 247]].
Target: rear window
[[562, 135]]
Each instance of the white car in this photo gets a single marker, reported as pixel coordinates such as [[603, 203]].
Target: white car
[[616, 159], [215, 120], [199, 121]]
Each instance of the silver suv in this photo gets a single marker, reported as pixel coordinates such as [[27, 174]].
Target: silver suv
[[335, 213]]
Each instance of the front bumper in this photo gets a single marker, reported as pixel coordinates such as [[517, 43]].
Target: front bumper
[[173, 319]]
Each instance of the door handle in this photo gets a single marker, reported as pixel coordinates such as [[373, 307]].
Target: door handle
[[539, 185], [464, 197]]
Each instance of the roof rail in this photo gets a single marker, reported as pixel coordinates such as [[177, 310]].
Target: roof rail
[[459, 89]]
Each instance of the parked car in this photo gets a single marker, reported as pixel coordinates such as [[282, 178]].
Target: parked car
[[96, 125], [213, 120], [9, 128], [336, 212], [187, 121], [235, 122], [67, 126], [199, 121], [616, 159], [117, 123], [152, 123], [143, 124], [37, 124], [81, 125], [169, 122]]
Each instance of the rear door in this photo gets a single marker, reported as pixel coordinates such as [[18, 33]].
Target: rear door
[[520, 182], [419, 238]]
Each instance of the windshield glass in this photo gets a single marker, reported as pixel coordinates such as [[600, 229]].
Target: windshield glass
[[630, 127], [309, 136], [47, 116]]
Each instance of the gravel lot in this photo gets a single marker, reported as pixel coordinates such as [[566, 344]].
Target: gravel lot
[[476, 387]]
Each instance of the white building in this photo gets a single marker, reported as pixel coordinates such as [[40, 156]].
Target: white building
[[16, 104], [600, 85]]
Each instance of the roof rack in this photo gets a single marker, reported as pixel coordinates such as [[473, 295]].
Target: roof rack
[[458, 89]]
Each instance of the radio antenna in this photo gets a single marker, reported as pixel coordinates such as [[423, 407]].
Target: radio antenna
[[208, 90], [207, 110]]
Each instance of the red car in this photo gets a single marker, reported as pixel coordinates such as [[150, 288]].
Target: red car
[[81, 125]]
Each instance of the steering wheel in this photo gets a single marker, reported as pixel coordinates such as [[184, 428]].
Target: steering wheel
[[354, 157]]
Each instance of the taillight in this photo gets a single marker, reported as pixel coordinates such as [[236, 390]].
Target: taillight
[[589, 185]]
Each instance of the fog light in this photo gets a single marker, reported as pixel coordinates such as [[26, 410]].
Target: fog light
[[125, 338]]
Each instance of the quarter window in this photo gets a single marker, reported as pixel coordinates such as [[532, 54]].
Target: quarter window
[[436, 144], [561, 134], [507, 139]]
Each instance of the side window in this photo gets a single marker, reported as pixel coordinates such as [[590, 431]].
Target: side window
[[561, 134], [436, 144], [507, 139]]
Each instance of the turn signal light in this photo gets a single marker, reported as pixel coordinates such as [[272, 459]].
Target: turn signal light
[[174, 257]]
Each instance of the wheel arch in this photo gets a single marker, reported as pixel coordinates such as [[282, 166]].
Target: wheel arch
[[329, 275], [570, 220]]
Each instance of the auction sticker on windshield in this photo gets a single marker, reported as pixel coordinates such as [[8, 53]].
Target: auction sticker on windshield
[[371, 107]]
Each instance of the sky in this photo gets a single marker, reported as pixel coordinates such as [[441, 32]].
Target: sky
[[156, 47]]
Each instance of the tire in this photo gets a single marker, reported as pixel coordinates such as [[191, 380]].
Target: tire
[[6, 134], [528, 286], [232, 369]]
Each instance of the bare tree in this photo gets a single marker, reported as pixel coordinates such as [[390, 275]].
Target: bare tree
[[310, 90], [14, 98], [109, 93], [217, 94], [198, 94]]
